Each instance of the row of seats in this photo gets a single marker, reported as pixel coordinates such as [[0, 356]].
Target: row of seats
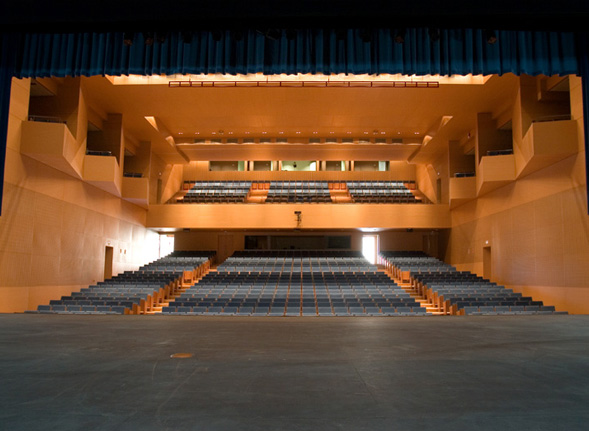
[[381, 192], [379, 184], [294, 312], [132, 292], [298, 191], [216, 192], [302, 265], [459, 292], [514, 310]]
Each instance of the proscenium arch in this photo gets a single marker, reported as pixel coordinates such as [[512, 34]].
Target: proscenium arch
[[457, 51]]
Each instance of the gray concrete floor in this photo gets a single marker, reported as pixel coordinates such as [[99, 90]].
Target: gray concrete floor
[[443, 373]]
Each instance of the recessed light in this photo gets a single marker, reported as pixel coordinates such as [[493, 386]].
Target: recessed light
[[332, 133], [383, 133], [349, 133], [263, 133], [213, 133], [366, 133], [298, 133], [247, 133], [197, 133], [315, 133], [231, 133], [398, 133], [280, 133], [180, 133], [417, 133]]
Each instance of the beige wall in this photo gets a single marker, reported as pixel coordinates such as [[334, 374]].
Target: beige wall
[[54, 227], [537, 228]]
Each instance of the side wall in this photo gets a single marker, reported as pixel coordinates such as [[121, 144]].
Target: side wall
[[537, 228], [54, 228]]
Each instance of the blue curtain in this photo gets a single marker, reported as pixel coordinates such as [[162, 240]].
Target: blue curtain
[[8, 53], [458, 51]]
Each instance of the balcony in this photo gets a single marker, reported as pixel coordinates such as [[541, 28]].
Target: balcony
[[494, 172], [52, 144], [544, 144]]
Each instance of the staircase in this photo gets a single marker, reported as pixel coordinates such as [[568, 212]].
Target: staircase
[[339, 193], [157, 308], [423, 302]]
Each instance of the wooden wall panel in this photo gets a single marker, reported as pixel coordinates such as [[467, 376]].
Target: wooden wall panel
[[54, 228]]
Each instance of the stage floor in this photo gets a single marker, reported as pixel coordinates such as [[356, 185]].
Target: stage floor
[[61, 372]]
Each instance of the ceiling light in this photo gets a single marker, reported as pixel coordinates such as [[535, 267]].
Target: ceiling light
[[417, 133], [128, 37], [331, 133], [298, 133], [280, 133], [180, 133], [247, 133], [399, 36], [197, 133], [349, 133], [148, 38], [383, 133], [161, 36], [213, 133], [366, 133], [490, 36]]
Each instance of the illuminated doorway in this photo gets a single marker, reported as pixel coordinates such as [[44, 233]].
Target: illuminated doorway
[[370, 248], [166, 245]]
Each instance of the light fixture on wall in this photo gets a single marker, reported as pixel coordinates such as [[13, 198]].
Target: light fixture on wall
[[299, 215]]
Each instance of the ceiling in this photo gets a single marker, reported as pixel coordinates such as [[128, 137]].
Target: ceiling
[[73, 15], [297, 114]]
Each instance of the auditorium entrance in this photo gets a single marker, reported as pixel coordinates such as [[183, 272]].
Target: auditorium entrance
[[370, 248]]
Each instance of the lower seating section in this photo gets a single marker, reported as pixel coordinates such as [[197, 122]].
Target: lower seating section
[[381, 192], [296, 262], [134, 292], [299, 192], [286, 284], [460, 292], [216, 192]]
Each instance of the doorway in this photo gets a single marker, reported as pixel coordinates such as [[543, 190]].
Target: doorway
[[108, 257], [370, 248], [487, 264], [166, 245]]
